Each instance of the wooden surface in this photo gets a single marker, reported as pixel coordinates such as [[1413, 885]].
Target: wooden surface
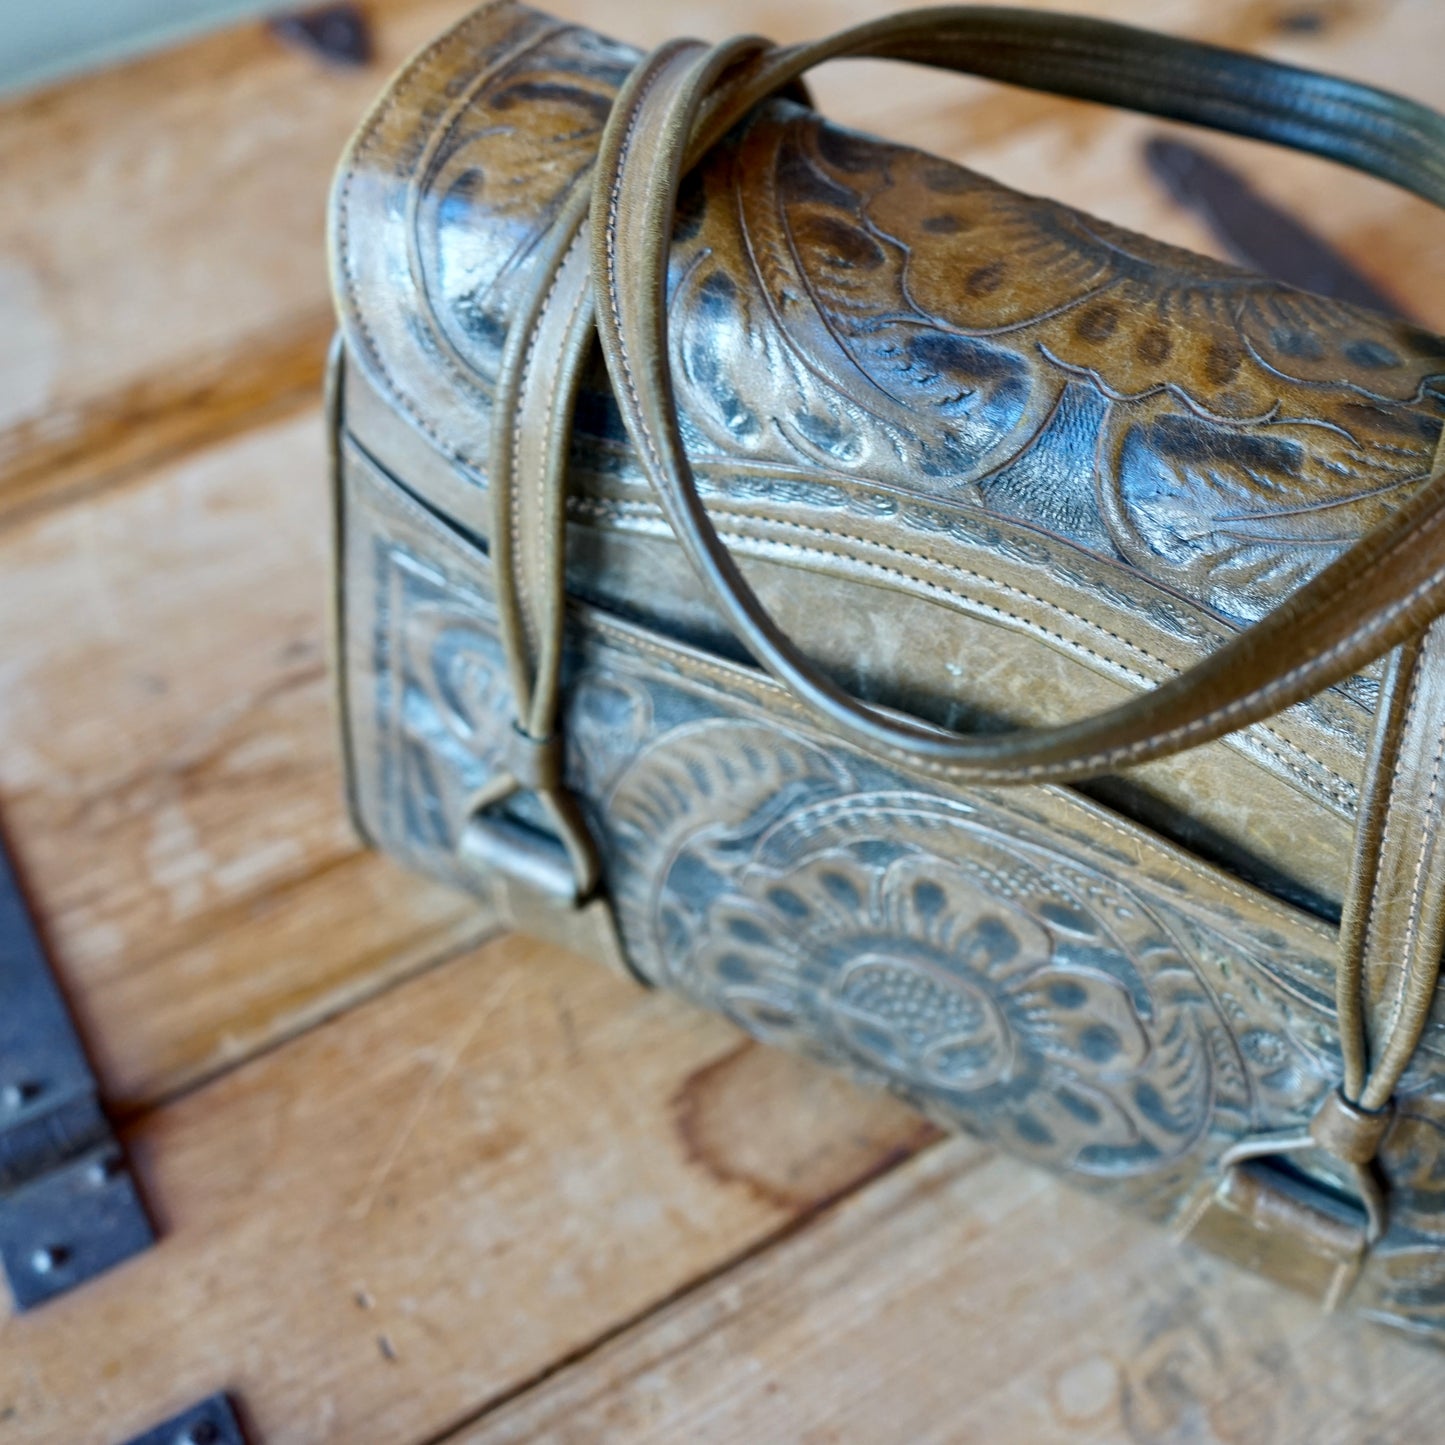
[[413, 1190]]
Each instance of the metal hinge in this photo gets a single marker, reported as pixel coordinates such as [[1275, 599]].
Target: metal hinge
[[212, 1422], [68, 1205]]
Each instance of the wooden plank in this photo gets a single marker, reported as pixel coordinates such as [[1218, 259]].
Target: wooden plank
[[166, 766], [162, 273], [423, 1204], [976, 1302], [169, 775], [162, 246]]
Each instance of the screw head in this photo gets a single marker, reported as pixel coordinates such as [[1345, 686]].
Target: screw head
[[49, 1258], [103, 1171], [203, 1432], [18, 1093]]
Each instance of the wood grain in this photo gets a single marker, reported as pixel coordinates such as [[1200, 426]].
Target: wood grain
[[424, 1204], [169, 776], [162, 247], [964, 1299], [162, 260], [465, 1177]]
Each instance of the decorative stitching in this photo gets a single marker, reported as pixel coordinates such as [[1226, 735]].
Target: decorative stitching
[[523, 383], [614, 202], [1105, 758], [1427, 837], [727, 677], [579, 300], [1117, 755], [1344, 793]]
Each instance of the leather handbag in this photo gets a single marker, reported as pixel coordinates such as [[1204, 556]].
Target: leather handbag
[[946, 634]]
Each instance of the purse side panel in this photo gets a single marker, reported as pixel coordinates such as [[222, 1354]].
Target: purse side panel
[[1022, 965]]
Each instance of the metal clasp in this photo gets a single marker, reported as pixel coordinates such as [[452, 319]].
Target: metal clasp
[[1289, 1226], [533, 881]]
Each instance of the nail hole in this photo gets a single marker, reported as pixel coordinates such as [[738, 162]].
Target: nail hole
[[49, 1259], [16, 1094], [104, 1170]]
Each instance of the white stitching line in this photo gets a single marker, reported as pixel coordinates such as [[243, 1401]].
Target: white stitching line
[[1392, 817], [1107, 757], [685, 661], [614, 202], [728, 678], [1344, 793], [523, 385], [1118, 755], [1285, 680], [552, 554], [1122, 755], [1428, 834]]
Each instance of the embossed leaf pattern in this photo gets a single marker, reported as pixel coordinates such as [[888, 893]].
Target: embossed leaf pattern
[[918, 970], [895, 935], [862, 311], [922, 324], [940, 982], [844, 305], [847, 306], [965, 952], [499, 164]]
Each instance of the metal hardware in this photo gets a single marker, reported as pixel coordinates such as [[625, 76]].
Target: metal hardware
[[68, 1206], [212, 1422], [588, 929], [534, 888], [338, 33], [504, 848], [1284, 1225]]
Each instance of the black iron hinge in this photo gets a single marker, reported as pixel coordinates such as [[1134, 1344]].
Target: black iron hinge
[[68, 1205], [212, 1422]]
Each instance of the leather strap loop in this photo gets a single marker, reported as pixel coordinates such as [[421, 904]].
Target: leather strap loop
[[1380, 593], [1393, 933], [535, 763], [1384, 593], [1349, 1132], [525, 519]]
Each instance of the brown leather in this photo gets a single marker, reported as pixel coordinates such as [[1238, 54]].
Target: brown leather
[[1379, 594], [1404, 927], [1249, 815], [828, 367], [1348, 1131]]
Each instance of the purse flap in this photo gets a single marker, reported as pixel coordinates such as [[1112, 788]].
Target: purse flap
[[1150, 447], [843, 304]]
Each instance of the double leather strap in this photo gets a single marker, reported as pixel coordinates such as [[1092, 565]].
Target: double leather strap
[[604, 266]]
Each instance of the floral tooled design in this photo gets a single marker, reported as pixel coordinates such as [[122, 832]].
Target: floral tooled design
[[840, 306], [981, 955], [952, 994], [926, 326], [901, 936]]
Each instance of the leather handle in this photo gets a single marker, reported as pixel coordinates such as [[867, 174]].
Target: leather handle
[[1383, 591]]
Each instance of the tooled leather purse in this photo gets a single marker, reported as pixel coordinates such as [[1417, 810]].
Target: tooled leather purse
[[944, 633]]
